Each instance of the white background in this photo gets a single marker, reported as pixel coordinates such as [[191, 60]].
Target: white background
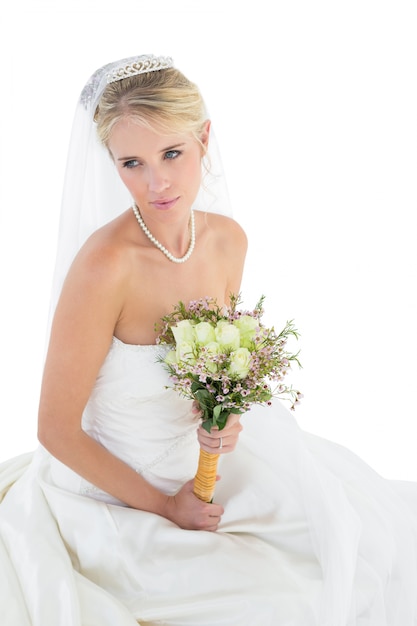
[[314, 105]]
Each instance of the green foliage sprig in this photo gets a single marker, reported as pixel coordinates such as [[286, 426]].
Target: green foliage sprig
[[225, 358]]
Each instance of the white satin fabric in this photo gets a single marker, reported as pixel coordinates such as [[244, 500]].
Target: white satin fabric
[[311, 536]]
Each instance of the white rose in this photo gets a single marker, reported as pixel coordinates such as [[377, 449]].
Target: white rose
[[240, 363], [247, 326], [171, 357], [185, 352], [246, 323], [204, 333], [227, 335], [211, 349], [183, 331]]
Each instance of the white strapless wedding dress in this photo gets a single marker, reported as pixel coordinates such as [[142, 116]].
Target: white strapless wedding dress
[[311, 536]]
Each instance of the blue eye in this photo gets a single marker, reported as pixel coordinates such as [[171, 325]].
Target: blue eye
[[172, 154], [130, 164]]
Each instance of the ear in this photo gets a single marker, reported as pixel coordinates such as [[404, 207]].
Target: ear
[[205, 134]]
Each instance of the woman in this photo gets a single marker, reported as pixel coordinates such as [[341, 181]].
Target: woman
[[98, 529], [120, 284]]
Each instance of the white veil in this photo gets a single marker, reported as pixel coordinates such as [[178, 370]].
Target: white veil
[[93, 193]]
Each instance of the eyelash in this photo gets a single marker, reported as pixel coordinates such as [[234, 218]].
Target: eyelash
[[177, 153], [134, 163], [128, 165]]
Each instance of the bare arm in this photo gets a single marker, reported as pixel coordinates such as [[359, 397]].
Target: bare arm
[[90, 306]]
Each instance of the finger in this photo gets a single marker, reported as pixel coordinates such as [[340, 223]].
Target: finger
[[216, 510], [210, 522], [232, 419], [218, 444], [233, 423], [196, 409], [212, 528], [210, 439]]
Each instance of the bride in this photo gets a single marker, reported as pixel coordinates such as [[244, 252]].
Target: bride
[[100, 525]]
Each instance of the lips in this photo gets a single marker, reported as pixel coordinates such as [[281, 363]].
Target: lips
[[164, 204]]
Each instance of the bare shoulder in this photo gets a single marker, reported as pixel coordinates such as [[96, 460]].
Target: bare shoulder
[[226, 229], [94, 292], [227, 242], [106, 255]]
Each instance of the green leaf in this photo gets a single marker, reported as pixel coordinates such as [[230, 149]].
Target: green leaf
[[217, 411], [207, 424], [236, 410], [203, 398], [195, 385], [221, 422]]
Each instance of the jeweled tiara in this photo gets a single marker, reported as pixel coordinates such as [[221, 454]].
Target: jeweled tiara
[[139, 65]]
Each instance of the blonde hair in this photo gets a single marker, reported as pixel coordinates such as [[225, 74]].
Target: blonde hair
[[164, 99]]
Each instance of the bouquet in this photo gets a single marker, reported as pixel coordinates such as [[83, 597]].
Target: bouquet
[[225, 359]]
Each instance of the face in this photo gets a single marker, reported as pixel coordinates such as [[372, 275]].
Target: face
[[161, 172]]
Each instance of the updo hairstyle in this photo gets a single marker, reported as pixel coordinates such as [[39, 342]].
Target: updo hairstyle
[[163, 99]]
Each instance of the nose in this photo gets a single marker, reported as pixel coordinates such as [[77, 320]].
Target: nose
[[157, 180]]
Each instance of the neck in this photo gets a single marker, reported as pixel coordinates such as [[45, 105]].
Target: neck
[[179, 246]]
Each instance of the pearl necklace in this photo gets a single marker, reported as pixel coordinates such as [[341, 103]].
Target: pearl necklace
[[159, 245]]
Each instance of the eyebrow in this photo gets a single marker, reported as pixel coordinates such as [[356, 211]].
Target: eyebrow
[[174, 147]]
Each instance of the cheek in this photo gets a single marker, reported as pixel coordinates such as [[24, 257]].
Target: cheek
[[193, 172], [122, 173], [128, 179]]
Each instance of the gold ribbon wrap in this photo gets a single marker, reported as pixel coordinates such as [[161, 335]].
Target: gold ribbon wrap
[[205, 478]]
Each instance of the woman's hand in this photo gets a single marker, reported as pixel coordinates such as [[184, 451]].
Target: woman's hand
[[190, 513], [219, 441]]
